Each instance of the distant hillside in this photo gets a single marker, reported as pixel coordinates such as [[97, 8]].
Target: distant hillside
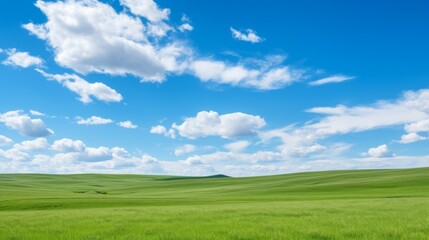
[[104, 190]]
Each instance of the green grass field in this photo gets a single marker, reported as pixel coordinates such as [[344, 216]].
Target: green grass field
[[367, 204]]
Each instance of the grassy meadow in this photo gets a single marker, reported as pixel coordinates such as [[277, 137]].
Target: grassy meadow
[[362, 204]]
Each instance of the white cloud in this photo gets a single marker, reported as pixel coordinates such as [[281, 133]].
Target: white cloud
[[94, 120], [95, 154], [89, 154], [381, 151], [249, 36], [90, 36], [185, 27], [185, 18], [159, 129], [32, 145], [237, 146], [118, 152], [68, 145], [408, 109], [36, 113], [156, 16], [21, 59], [267, 77], [411, 137], [147, 9], [21, 151], [159, 29], [14, 155], [38, 30], [75, 157], [302, 151], [127, 124], [331, 79], [27, 126], [227, 125], [419, 126], [234, 158], [84, 89], [187, 148], [5, 141], [411, 108]]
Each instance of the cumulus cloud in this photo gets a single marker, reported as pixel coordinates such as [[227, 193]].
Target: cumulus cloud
[[226, 126], [187, 148], [88, 154], [84, 89], [75, 151], [237, 146], [413, 129], [32, 145], [90, 36], [14, 155], [150, 10], [93, 120], [21, 59], [147, 9], [411, 137], [94, 154], [331, 79], [381, 151], [127, 124], [25, 125], [5, 141], [159, 129], [249, 35], [68, 145], [419, 126], [73, 156], [21, 151]]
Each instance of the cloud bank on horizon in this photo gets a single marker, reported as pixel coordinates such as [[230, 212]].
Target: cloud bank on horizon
[[128, 88]]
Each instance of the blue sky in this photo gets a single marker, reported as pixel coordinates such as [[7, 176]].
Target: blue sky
[[208, 87]]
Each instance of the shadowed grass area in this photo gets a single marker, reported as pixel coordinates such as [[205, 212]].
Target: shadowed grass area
[[364, 204]]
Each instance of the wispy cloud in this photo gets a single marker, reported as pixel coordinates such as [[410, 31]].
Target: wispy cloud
[[248, 36], [266, 75], [94, 120], [36, 113], [187, 148], [21, 59], [84, 89], [410, 110], [331, 79]]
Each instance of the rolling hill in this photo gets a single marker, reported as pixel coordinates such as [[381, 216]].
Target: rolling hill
[[361, 204]]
